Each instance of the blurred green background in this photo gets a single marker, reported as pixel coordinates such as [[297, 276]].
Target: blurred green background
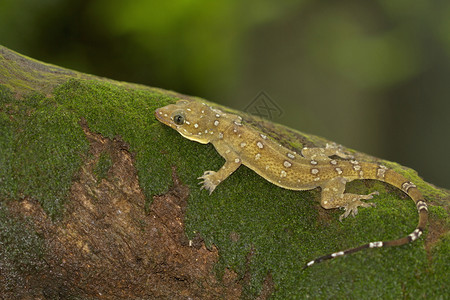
[[372, 75]]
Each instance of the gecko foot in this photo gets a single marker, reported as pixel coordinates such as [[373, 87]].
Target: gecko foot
[[352, 207], [208, 182]]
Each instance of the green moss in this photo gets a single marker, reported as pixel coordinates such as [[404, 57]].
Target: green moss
[[114, 111], [439, 281], [43, 148], [439, 213], [21, 250], [7, 183], [102, 167]]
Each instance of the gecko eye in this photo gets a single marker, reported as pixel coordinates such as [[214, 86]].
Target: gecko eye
[[178, 119]]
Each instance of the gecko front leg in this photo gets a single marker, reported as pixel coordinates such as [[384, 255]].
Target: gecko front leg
[[333, 196], [212, 178]]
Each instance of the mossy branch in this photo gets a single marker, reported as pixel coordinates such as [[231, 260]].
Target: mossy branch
[[99, 200]]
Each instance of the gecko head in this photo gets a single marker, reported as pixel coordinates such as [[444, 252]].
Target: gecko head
[[192, 119]]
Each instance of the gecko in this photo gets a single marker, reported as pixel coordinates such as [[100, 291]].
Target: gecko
[[329, 167]]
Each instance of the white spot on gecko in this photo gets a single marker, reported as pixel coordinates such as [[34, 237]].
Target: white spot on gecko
[[314, 171]]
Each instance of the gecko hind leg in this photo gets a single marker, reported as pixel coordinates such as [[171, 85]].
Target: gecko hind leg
[[333, 196]]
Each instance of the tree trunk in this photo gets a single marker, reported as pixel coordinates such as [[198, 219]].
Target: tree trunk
[[94, 205]]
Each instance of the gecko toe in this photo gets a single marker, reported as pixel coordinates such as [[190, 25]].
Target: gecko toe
[[370, 196], [207, 174], [353, 210]]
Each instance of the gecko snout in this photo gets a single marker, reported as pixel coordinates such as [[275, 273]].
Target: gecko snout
[[161, 115]]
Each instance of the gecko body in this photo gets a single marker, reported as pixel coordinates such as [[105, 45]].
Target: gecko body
[[329, 168]]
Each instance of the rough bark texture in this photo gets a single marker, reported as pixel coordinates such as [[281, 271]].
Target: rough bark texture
[[94, 205], [108, 246]]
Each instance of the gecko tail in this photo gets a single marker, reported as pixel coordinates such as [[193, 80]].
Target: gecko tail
[[423, 215]]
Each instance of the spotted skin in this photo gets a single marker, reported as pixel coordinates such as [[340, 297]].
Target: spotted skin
[[329, 168]]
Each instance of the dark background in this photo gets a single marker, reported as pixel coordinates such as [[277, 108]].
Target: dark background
[[372, 75]]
